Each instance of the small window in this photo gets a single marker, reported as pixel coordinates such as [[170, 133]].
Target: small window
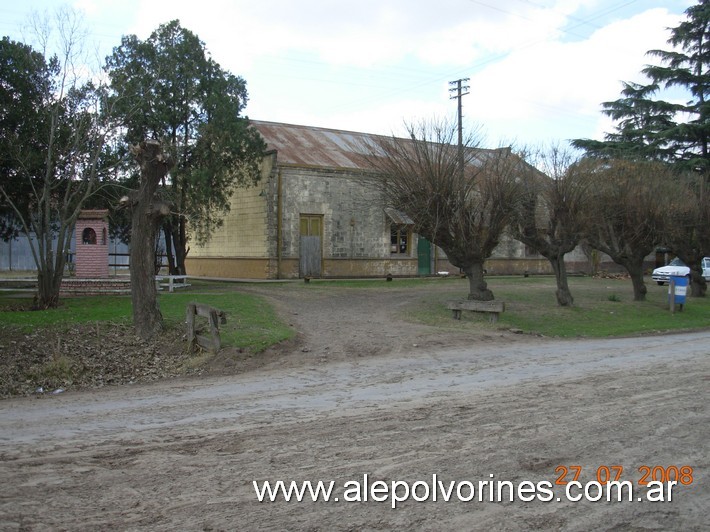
[[88, 236], [400, 237], [311, 225]]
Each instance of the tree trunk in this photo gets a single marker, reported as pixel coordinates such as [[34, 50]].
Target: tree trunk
[[48, 287], [145, 223], [50, 269], [564, 296], [635, 269], [698, 285], [478, 289]]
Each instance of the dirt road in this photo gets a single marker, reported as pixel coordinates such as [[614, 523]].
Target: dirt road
[[183, 455]]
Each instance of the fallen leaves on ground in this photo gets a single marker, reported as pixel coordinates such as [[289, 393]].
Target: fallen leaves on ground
[[87, 355]]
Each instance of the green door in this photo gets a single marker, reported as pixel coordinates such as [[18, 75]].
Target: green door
[[423, 256]]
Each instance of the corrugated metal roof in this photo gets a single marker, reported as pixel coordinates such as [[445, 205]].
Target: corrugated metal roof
[[314, 146], [327, 148]]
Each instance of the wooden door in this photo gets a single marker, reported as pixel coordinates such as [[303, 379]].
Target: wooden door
[[311, 253]]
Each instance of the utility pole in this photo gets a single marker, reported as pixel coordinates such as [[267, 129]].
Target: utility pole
[[458, 93]]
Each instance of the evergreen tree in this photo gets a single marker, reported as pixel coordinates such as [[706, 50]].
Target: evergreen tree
[[652, 128], [649, 127], [168, 89]]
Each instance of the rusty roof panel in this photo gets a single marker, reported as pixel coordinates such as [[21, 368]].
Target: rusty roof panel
[[326, 148], [313, 146]]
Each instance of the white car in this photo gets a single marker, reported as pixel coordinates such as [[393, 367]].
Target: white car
[[677, 267]]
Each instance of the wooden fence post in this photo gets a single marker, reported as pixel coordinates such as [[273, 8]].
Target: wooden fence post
[[212, 342]]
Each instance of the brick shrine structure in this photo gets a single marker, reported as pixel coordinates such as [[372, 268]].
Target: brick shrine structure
[[91, 257]]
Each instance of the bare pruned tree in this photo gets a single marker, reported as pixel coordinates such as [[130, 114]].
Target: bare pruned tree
[[459, 198], [549, 216], [147, 212], [628, 211], [688, 230]]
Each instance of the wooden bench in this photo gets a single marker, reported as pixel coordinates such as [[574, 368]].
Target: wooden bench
[[174, 281], [494, 308]]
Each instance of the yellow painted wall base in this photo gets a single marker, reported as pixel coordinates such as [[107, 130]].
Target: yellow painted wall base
[[231, 268], [263, 268], [370, 267]]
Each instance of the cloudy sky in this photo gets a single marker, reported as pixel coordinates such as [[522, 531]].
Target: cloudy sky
[[538, 69]]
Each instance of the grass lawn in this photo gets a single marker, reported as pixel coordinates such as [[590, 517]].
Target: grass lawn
[[602, 308], [251, 323], [89, 341]]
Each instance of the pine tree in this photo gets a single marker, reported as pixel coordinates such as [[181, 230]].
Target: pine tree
[[649, 127]]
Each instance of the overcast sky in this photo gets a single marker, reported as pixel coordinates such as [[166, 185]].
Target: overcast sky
[[538, 69]]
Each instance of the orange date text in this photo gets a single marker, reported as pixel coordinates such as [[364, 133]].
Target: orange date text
[[614, 473]]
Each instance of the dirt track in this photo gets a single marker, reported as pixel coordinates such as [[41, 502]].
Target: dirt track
[[365, 400]]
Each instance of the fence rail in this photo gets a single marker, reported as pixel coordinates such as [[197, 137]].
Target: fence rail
[[16, 255]]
